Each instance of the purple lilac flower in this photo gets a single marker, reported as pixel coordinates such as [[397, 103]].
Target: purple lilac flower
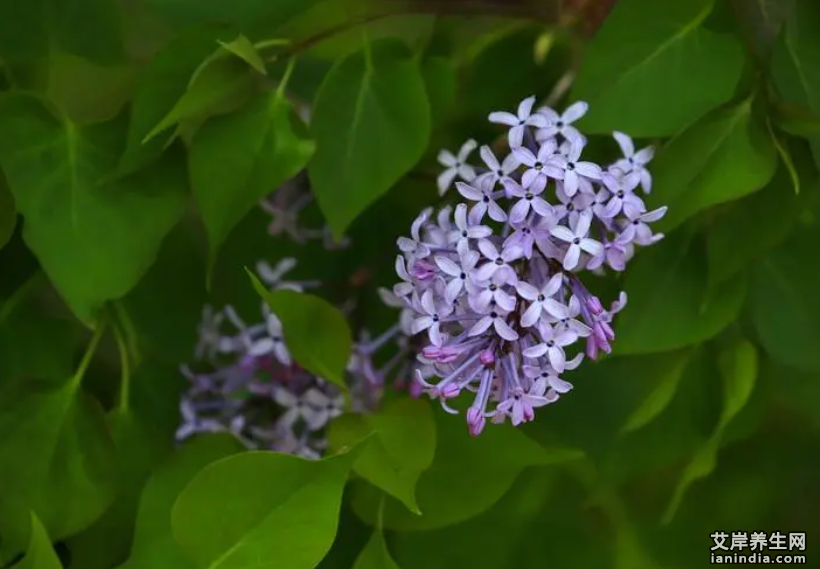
[[246, 382], [495, 297]]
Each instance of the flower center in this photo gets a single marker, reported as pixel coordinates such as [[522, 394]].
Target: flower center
[[493, 314], [462, 276], [620, 193], [538, 166], [499, 261], [486, 199], [576, 241], [493, 287], [541, 298], [464, 233], [528, 196], [550, 344], [570, 166], [560, 124]]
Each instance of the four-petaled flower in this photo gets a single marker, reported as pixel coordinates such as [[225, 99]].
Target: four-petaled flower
[[456, 166], [578, 240], [524, 118]]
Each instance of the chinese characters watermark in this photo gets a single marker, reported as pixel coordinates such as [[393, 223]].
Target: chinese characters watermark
[[757, 547]]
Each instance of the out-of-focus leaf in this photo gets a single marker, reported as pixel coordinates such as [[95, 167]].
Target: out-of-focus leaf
[[491, 463], [400, 450], [755, 225], [86, 28], [236, 160], [724, 156], [669, 305], [161, 85], [243, 48], [138, 448], [94, 240], [257, 18], [154, 545], [375, 555], [8, 213], [785, 304], [661, 396], [440, 81], [232, 515], [739, 370], [40, 554], [371, 123], [795, 71], [58, 460], [316, 332], [637, 71]]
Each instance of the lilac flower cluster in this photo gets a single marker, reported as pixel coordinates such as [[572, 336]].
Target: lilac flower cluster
[[244, 380], [494, 282]]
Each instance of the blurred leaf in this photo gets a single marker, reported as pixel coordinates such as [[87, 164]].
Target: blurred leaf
[[8, 213], [795, 119], [375, 555], [160, 86], [93, 240], [661, 396], [724, 156], [58, 460], [221, 85], [440, 80], [468, 476], [261, 505], [762, 21], [167, 330], [798, 391], [316, 332], [154, 545], [69, 77], [637, 71], [371, 123], [739, 370], [86, 28], [139, 449], [401, 449], [253, 17], [785, 304], [40, 553], [23, 334], [237, 159], [795, 70], [669, 305], [243, 48], [764, 220]]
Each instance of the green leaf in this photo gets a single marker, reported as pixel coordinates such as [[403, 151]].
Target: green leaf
[[764, 219], [8, 213], [220, 85], [762, 21], [371, 123], [670, 306], [94, 239], [468, 476], [795, 119], [23, 333], [739, 371], [661, 396], [139, 449], [375, 554], [794, 66], [316, 332], [244, 49], [87, 28], [40, 553], [638, 71], [160, 86], [69, 77], [154, 545], [236, 160], [58, 460], [261, 505], [724, 156], [253, 17], [401, 448], [167, 330], [785, 306], [439, 75]]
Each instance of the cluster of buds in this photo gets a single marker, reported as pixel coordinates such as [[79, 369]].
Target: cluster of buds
[[244, 380], [493, 283]]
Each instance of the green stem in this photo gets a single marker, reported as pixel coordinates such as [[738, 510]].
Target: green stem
[[125, 371], [129, 330], [280, 90], [89, 353]]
